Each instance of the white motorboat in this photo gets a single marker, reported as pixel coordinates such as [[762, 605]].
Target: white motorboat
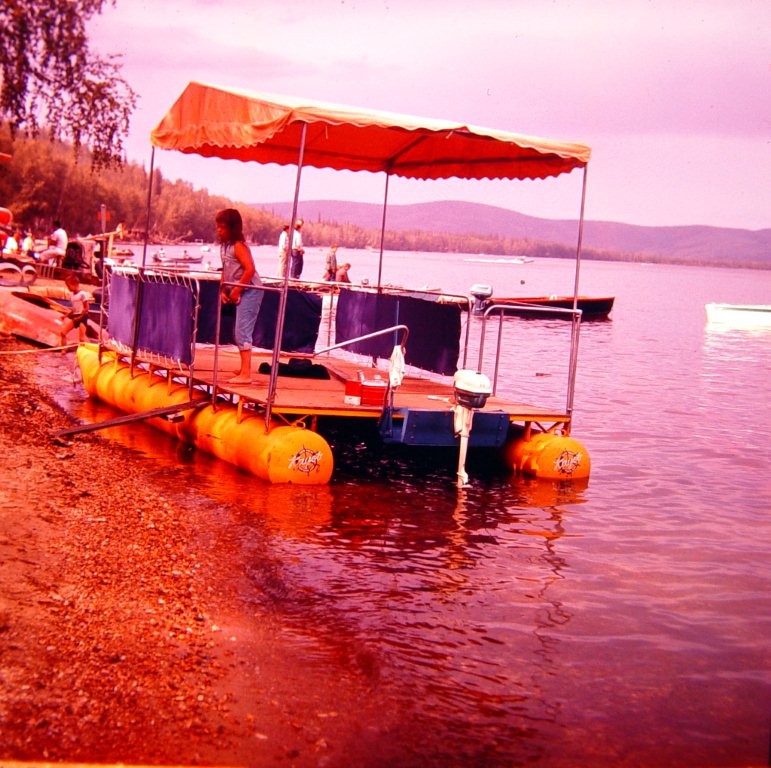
[[739, 315]]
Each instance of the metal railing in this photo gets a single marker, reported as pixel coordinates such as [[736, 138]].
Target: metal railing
[[501, 310], [366, 337]]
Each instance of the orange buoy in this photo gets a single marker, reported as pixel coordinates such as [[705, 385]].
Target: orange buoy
[[550, 456]]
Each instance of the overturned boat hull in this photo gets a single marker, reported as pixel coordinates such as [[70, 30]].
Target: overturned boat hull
[[35, 318]]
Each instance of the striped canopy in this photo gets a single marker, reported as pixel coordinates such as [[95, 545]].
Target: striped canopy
[[229, 123]]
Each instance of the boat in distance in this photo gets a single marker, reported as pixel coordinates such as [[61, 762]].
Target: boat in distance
[[739, 315], [592, 307], [184, 258]]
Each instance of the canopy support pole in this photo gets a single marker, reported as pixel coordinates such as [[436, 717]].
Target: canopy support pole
[[149, 204], [282, 301], [576, 321], [382, 233], [580, 239]]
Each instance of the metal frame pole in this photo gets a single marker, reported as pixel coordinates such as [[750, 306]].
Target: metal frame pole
[[272, 383], [382, 233], [576, 318], [149, 205]]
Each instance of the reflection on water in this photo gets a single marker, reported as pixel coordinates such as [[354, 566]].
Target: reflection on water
[[442, 608], [730, 343], [441, 600]]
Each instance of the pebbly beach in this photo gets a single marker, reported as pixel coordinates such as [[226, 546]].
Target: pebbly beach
[[122, 635]]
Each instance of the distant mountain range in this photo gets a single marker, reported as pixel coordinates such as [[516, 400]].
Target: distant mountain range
[[690, 244]]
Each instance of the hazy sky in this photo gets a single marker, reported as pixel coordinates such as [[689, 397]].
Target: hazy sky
[[673, 96]]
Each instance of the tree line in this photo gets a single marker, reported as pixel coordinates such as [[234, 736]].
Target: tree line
[[45, 182]]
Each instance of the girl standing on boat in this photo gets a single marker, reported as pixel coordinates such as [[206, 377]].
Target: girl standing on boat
[[239, 280]]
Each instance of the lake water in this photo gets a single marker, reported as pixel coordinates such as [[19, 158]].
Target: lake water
[[625, 624]]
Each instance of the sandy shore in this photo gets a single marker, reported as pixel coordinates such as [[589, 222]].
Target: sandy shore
[[122, 635]]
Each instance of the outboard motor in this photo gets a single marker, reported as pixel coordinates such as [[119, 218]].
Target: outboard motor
[[471, 390], [73, 256], [480, 293]]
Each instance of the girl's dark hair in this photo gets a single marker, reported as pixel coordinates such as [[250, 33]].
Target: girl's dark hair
[[231, 218]]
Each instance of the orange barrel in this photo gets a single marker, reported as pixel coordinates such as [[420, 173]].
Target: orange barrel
[[278, 454], [282, 454], [88, 360], [212, 430], [551, 456], [154, 392]]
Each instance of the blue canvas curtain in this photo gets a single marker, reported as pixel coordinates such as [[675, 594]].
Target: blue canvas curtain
[[167, 321], [166, 318], [434, 339], [301, 328]]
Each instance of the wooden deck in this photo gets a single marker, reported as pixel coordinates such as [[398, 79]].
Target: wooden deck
[[297, 396]]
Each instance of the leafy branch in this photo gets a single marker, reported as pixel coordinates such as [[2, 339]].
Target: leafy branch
[[49, 78]]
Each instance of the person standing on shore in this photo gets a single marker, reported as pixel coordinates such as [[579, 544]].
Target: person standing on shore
[[331, 264], [239, 286], [296, 267], [78, 315], [283, 250]]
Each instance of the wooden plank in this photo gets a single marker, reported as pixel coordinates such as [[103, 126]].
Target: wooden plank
[[299, 396], [132, 417]]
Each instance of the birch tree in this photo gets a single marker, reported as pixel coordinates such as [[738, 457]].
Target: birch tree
[[50, 80]]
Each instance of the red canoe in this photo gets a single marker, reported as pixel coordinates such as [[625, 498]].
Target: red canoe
[[33, 317]]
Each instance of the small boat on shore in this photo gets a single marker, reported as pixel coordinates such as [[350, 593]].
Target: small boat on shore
[[37, 318], [739, 315]]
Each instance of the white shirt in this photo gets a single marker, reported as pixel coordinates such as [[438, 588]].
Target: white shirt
[[79, 300], [59, 237]]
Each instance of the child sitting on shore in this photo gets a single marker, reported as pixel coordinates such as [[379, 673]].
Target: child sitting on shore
[[78, 314]]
